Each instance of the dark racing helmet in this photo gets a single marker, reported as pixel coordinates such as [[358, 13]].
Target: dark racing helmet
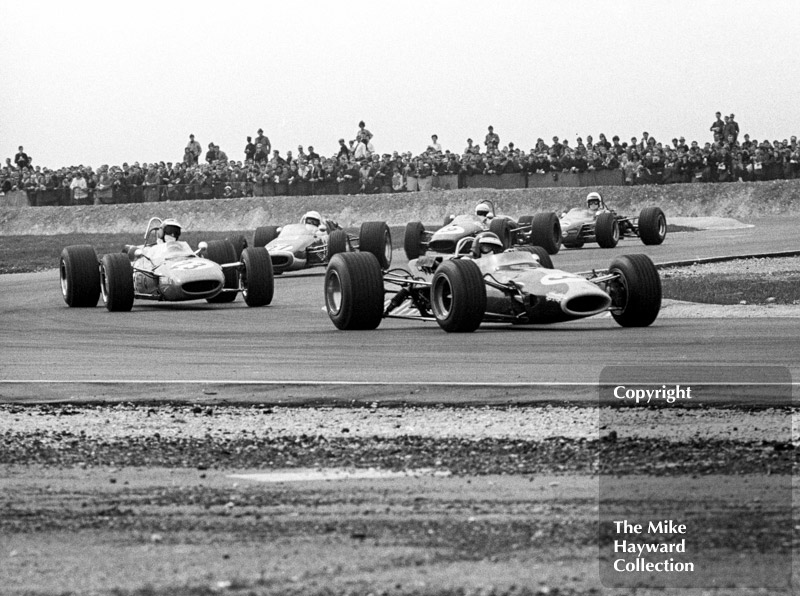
[[169, 227], [486, 243]]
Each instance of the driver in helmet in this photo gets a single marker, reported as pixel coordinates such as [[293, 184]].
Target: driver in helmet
[[486, 243], [170, 230], [594, 201], [313, 221], [484, 210]]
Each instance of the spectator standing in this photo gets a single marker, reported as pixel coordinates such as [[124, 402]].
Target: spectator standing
[[312, 155], [78, 187], [195, 149], [492, 140], [435, 146], [260, 156], [211, 154], [344, 150], [264, 140], [363, 133], [718, 127], [731, 131], [249, 150], [21, 159]]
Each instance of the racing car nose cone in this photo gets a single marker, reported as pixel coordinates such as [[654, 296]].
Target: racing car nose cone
[[585, 301]]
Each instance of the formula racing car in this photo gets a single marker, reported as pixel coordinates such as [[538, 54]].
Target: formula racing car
[[516, 286], [165, 269], [541, 229], [598, 223], [312, 242]]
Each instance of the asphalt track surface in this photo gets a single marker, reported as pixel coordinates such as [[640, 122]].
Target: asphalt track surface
[[293, 340]]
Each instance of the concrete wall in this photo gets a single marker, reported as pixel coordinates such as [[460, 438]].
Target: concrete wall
[[734, 199]]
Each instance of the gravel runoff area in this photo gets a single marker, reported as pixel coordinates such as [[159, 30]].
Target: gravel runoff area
[[171, 499]]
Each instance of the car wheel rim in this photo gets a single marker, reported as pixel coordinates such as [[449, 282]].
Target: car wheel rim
[[662, 227], [387, 247], [243, 281], [616, 233], [618, 290], [333, 292], [443, 297], [104, 284], [63, 273]]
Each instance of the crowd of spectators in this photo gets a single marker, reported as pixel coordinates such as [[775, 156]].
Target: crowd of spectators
[[357, 168]]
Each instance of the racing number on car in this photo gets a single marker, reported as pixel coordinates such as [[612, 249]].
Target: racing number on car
[[552, 279]]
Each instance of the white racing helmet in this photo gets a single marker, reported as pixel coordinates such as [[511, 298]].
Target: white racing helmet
[[483, 210], [486, 243], [312, 218], [594, 197], [170, 227]]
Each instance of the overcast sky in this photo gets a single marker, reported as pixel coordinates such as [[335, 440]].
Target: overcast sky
[[102, 82]]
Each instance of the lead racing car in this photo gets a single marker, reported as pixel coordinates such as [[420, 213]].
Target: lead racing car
[[542, 229], [165, 269], [598, 223], [313, 241], [517, 286]]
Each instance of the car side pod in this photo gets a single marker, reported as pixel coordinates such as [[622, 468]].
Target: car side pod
[[354, 291], [635, 291], [80, 276]]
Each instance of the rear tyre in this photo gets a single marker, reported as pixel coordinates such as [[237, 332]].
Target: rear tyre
[[543, 256], [652, 225], [501, 227], [255, 277], [116, 282], [222, 251], [80, 276], [264, 235], [636, 293], [606, 230], [375, 237], [354, 291], [239, 244], [337, 242], [458, 296], [546, 232], [412, 242]]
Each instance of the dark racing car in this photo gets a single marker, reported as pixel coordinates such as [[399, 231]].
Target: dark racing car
[[486, 283], [598, 223], [165, 269], [541, 229]]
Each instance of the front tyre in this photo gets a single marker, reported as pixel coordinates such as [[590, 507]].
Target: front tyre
[[546, 232], [502, 227], [116, 282], [606, 230], [354, 291], [255, 277], [458, 296], [652, 225], [412, 242], [239, 244], [80, 276], [222, 252], [337, 242], [636, 293], [375, 237]]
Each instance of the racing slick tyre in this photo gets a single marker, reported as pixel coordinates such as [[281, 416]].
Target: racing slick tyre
[[239, 244], [337, 242], [546, 232], [354, 291], [116, 282], [543, 256], [374, 237], [606, 230], [255, 276], [264, 235], [652, 225], [458, 296], [502, 227], [80, 276], [412, 242], [221, 252], [636, 293]]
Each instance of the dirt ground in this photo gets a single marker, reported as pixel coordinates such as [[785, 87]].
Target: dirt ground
[[189, 499]]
